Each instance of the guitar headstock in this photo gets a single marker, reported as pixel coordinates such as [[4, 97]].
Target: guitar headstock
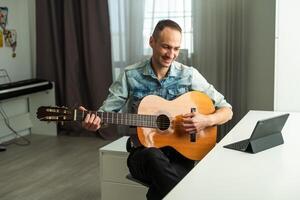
[[58, 114]]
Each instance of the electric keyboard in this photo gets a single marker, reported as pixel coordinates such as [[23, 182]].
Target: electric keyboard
[[19, 88]]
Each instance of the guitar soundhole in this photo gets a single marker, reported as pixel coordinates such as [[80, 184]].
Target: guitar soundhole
[[163, 122]]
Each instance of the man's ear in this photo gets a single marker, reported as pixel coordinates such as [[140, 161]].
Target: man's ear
[[151, 41]]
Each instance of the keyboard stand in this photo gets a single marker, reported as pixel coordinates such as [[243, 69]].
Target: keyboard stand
[[20, 101]]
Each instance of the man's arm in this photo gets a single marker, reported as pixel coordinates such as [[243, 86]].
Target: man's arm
[[198, 121], [118, 94], [221, 116]]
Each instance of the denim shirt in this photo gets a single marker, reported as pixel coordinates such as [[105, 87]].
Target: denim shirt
[[139, 80]]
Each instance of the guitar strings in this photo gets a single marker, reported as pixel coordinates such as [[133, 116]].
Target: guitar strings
[[151, 120], [129, 118], [142, 122]]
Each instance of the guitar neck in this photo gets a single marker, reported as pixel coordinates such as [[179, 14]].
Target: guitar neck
[[120, 118]]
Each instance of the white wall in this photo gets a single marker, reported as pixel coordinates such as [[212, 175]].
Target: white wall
[[21, 16], [20, 67], [287, 61]]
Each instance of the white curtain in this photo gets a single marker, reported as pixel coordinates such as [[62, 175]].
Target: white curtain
[[218, 49], [126, 22], [132, 23]]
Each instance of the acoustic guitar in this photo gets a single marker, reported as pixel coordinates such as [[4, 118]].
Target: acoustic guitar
[[157, 121]]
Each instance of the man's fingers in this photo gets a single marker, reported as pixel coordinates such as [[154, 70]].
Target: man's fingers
[[189, 130], [188, 115], [187, 120], [87, 118], [96, 123], [82, 108], [185, 125], [91, 121]]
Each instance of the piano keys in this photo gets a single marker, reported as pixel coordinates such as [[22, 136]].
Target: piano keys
[[19, 88]]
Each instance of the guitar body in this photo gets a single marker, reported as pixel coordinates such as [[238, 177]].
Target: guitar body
[[174, 136]]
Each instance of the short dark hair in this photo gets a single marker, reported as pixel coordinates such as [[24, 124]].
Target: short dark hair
[[163, 24]]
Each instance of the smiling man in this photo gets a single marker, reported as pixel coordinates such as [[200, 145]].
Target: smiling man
[[161, 168], [165, 43]]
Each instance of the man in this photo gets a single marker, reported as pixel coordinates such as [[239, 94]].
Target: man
[[162, 168]]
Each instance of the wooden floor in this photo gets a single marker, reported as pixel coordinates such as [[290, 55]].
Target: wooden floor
[[63, 168]]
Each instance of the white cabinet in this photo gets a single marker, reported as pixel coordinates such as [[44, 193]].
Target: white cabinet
[[113, 171]]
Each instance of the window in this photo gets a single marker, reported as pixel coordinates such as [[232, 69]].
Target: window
[[117, 24], [178, 10]]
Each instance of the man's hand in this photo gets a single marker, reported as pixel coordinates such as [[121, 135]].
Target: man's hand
[[196, 122], [91, 121]]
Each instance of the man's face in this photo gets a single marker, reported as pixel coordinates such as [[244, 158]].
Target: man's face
[[166, 47]]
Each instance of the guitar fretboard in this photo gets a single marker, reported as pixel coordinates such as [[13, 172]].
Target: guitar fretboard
[[120, 118]]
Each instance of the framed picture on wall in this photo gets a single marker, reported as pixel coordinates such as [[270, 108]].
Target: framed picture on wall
[[10, 37], [1, 39], [3, 16]]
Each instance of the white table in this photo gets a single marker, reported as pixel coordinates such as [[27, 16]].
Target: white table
[[272, 174]]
